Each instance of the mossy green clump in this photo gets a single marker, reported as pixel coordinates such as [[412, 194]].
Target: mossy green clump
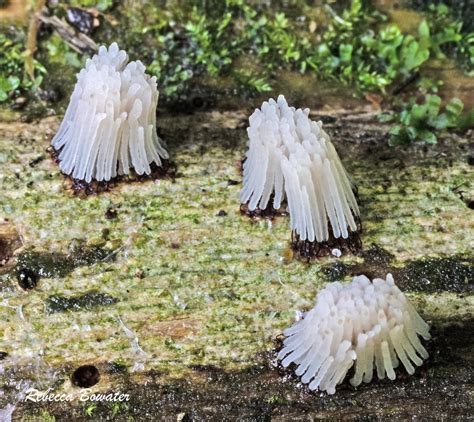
[[422, 122], [100, 5], [355, 45], [248, 45], [13, 78], [453, 29]]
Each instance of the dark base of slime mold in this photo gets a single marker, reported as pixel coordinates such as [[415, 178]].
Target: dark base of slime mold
[[167, 170]]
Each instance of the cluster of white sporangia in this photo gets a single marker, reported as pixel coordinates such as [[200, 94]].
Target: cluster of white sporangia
[[110, 124], [371, 323], [291, 155]]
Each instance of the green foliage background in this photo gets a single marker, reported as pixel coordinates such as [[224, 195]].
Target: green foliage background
[[246, 44]]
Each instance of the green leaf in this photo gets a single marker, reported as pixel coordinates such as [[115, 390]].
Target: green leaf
[[466, 121], [356, 7], [411, 132], [103, 5], [395, 130], [418, 112], [345, 52], [455, 107], [427, 136], [413, 53], [433, 103], [424, 32], [7, 85], [14, 82], [440, 122], [386, 117]]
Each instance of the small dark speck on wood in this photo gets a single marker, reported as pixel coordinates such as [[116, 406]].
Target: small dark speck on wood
[[27, 279], [85, 376], [111, 214], [36, 160]]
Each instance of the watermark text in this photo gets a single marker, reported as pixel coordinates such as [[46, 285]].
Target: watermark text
[[86, 395]]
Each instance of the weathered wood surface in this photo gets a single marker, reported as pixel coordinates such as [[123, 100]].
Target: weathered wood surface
[[205, 294]]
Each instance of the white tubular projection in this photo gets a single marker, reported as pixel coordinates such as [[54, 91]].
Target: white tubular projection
[[371, 323], [110, 123], [291, 155]]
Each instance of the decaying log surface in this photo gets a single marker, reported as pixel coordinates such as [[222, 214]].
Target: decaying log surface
[[178, 303]]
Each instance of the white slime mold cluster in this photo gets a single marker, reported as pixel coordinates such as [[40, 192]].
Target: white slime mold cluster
[[110, 124], [291, 156], [369, 323]]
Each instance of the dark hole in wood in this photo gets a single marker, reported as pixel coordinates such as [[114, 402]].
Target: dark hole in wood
[[27, 279], [86, 376], [198, 102]]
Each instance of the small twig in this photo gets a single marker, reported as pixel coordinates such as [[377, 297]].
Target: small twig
[[78, 41], [31, 39]]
